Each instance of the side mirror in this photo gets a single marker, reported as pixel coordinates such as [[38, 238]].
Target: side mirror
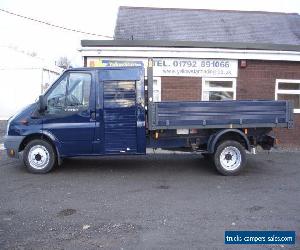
[[42, 104]]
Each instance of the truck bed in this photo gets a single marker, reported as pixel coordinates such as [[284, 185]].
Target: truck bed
[[221, 114]]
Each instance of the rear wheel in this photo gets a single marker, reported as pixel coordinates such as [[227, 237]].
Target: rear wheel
[[230, 158], [39, 156]]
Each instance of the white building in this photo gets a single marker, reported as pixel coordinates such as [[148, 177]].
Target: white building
[[22, 79]]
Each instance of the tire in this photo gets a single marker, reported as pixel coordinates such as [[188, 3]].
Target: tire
[[230, 158], [39, 156]]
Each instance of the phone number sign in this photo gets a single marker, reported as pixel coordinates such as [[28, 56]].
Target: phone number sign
[[195, 67], [174, 67]]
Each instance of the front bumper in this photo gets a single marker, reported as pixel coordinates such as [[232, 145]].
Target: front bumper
[[12, 145]]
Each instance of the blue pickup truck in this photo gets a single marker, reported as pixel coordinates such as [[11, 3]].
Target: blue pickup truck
[[103, 111]]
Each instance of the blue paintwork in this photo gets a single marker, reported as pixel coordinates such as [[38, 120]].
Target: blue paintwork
[[215, 113], [74, 131], [17, 128], [122, 111]]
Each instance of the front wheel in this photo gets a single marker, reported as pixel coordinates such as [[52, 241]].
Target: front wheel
[[230, 158], [39, 156]]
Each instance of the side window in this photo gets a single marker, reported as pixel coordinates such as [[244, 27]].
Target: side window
[[70, 94], [78, 91], [119, 94], [56, 99]]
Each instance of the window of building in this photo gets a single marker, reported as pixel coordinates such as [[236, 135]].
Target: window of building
[[288, 90], [218, 89]]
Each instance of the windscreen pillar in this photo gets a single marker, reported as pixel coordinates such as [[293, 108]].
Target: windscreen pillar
[[151, 104]]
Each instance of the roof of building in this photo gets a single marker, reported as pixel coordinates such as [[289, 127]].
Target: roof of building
[[188, 44], [200, 25]]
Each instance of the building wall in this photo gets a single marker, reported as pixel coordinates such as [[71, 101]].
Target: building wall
[[180, 88], [48, 77], [256, 81], [22, 87]]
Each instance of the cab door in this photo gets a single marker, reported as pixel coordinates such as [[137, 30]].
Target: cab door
[[70, 115], [122, 126]]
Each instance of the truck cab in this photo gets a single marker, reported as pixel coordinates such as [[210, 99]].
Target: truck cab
[[87, 111]]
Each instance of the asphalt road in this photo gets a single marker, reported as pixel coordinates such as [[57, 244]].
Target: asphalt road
[[149, 202]]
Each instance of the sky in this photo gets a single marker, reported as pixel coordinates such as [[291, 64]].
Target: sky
[[94, 16]]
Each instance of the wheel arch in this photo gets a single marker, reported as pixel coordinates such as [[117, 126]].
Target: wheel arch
[[42, 136], [227, 134]]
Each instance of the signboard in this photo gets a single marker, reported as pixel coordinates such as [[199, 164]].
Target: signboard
[[174, 67], [98, 62], [195, 67]]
